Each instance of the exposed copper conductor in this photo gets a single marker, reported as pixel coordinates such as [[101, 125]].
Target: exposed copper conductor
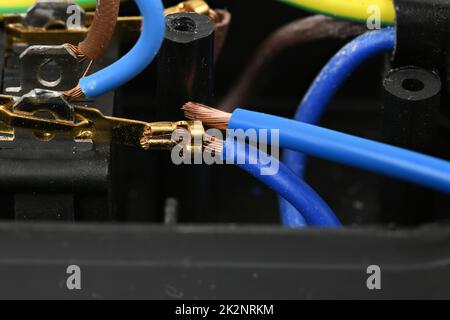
[[209, 116], [146, 136], [76, 50], [212, 145], [75, 93]]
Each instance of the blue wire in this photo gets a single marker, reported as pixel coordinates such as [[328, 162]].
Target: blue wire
[[329, 81], [339, 68], [137, 59], [349, 150], [315, 212]]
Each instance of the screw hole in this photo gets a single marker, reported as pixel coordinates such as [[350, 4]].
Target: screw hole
[[413, 85], [49, 74], [184, 24]]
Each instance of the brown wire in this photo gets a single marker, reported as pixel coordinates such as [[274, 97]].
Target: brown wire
[[301, 31], [97, 39], [222, 19], [101, 30]]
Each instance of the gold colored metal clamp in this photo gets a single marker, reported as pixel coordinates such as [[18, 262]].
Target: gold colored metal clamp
[[197, 6], [91, 125]]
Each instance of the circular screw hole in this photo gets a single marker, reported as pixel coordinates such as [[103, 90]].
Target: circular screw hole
[[413, 85], [184, 24], [49, 73]]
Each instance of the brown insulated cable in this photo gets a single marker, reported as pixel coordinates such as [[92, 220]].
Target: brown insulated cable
[[222, 19], [101, 30], [293, 34], [97, 39]]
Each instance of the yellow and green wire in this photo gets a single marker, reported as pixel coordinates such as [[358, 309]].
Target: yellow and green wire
[[21, 6], [356, 10]]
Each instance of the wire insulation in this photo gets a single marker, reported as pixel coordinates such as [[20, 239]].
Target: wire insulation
[[350, 150], [314, 211], [339, 69], [358, 10], [290, 35], [328, 82], [223, 22], [101, 30], [137, 59]]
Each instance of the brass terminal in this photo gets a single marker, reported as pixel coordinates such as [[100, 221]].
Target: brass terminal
[[197, 6], [91, 125], [17, 32]]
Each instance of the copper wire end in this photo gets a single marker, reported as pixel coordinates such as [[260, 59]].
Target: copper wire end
[[75, 93], [88, 69], [212, 145], [75, 50], [211, 117], [145, 138]]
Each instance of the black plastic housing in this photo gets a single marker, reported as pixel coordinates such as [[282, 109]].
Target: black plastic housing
[[216, 256]]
